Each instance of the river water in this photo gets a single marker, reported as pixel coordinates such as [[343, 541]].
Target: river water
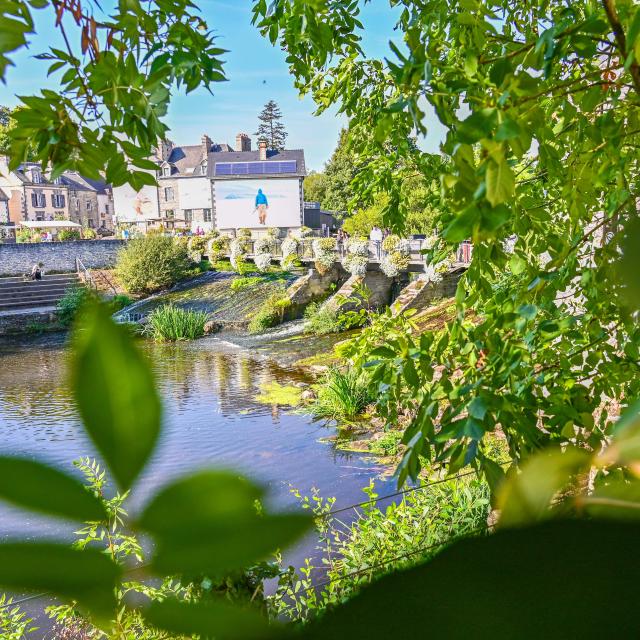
[[211, 418]]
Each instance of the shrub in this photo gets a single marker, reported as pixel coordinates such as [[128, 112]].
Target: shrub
[[170, 323], [244, 233], [65, 235], [119, 301], [218, 248], [273, 232], [270, 313], [24, 235], [262, 253], [320, 319], [197, 244], [289, 248], [357, 258], [324, 251], [89, 234], [69, 305], [238, 250], [151, 263], [341, 395], [398, 255]]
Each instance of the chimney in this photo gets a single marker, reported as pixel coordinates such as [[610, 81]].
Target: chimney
[[206, 144], [262, 145], [243, 142]]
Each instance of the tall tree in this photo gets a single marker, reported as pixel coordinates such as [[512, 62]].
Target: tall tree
[[271, 128]]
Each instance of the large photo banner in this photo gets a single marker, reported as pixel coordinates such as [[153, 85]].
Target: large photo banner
[[257, 203], [135, 206]]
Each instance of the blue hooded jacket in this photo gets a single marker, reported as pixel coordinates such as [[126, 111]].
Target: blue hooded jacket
[[261, 198]]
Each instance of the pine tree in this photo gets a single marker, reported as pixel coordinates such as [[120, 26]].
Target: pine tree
[[271, 128]]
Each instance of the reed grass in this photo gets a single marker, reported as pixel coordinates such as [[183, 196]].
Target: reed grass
[[170, 323]]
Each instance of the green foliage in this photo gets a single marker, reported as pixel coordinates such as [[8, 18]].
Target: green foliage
[[66, 235], [322, 319], [341, 395], [151, 263], [363, 220], [169, 323], [270, 313], [119, 301], [89, 234], [14, 623], [279, 394], [222, 265], [380, 540], [116, 74], [314, 187], [239, 284], [70, 304], [540, 106]]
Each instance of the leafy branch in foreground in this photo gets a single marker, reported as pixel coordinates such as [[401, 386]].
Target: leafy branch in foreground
[[116, 73], [541, 106]]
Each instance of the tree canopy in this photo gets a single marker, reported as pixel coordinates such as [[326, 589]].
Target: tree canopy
[[541, 106]]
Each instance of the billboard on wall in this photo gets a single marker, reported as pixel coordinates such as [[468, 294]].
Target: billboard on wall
[[256, 203], [134, 206], [194, 193]]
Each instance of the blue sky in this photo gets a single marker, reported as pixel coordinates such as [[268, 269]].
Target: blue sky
[[257, 72]]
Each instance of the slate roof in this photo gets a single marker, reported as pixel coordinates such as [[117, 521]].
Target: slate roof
[[3, 195], [254, 156], [190, 156], [80, 183]]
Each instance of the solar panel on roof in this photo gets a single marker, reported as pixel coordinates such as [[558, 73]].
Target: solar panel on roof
[[256, 168]]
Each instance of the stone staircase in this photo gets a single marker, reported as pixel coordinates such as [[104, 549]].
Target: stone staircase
[[17, 294]]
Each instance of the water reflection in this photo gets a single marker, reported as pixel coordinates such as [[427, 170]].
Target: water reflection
[[211, 419]]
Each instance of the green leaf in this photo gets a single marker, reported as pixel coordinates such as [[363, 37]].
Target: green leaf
[[477, 408], [461, 227], [571, 579], [477, 126], [528, 311], [213, 618], [629, 266], [87, 576], [225, 544], [36, 486], [526, 496], [500, 182], [517, 264], [203, 499], [115, 392]]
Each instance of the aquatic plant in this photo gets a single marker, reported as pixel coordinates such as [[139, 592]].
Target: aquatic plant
[[341, 395], [151, 263], [169, 323], [280, 394]]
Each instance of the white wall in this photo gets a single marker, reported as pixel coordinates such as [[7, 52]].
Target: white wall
[[194, 193], [235, 202]]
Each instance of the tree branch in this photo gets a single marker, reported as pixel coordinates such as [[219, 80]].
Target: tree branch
[[621, 40]]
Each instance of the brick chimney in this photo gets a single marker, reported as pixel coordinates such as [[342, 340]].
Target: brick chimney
[[206, 144], [243, 142], [262, 145]]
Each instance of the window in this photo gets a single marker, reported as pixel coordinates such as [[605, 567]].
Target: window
[[166, 171], [58, 215], [40, 216], [203, 168], [92, 224], [188, 215], [207, 215], [89, 205], [57, 200], [168, 213], [57, 180], [168, 193], [36, 177], [38, 199]]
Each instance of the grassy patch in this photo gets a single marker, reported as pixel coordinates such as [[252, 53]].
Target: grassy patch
[[275, 393], [270, 313], [222, 265], [239, 284], [341, 395], [170, 323]]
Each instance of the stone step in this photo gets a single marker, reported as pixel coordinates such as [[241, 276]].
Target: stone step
[[27, 304], [8, 283], [25, 294]]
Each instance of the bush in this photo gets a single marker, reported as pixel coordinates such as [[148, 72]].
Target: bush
[[321, 319], [324, 253], [341, 395], [89, 234], [24, 235], [170, 323], [69, 305], [270, 313], [244, 233], [151, 263], [218, 248], [65, 235], [119, 301]]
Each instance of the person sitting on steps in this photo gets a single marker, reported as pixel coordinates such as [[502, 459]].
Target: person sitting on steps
[[36, 271]]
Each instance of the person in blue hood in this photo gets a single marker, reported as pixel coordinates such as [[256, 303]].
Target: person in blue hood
[[262, 205]]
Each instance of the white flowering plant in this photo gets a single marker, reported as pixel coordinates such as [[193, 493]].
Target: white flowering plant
[[324, 253]]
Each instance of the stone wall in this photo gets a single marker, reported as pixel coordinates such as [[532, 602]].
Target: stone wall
[[16, 259], [420, 293], [312, 286], [28, 322]]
